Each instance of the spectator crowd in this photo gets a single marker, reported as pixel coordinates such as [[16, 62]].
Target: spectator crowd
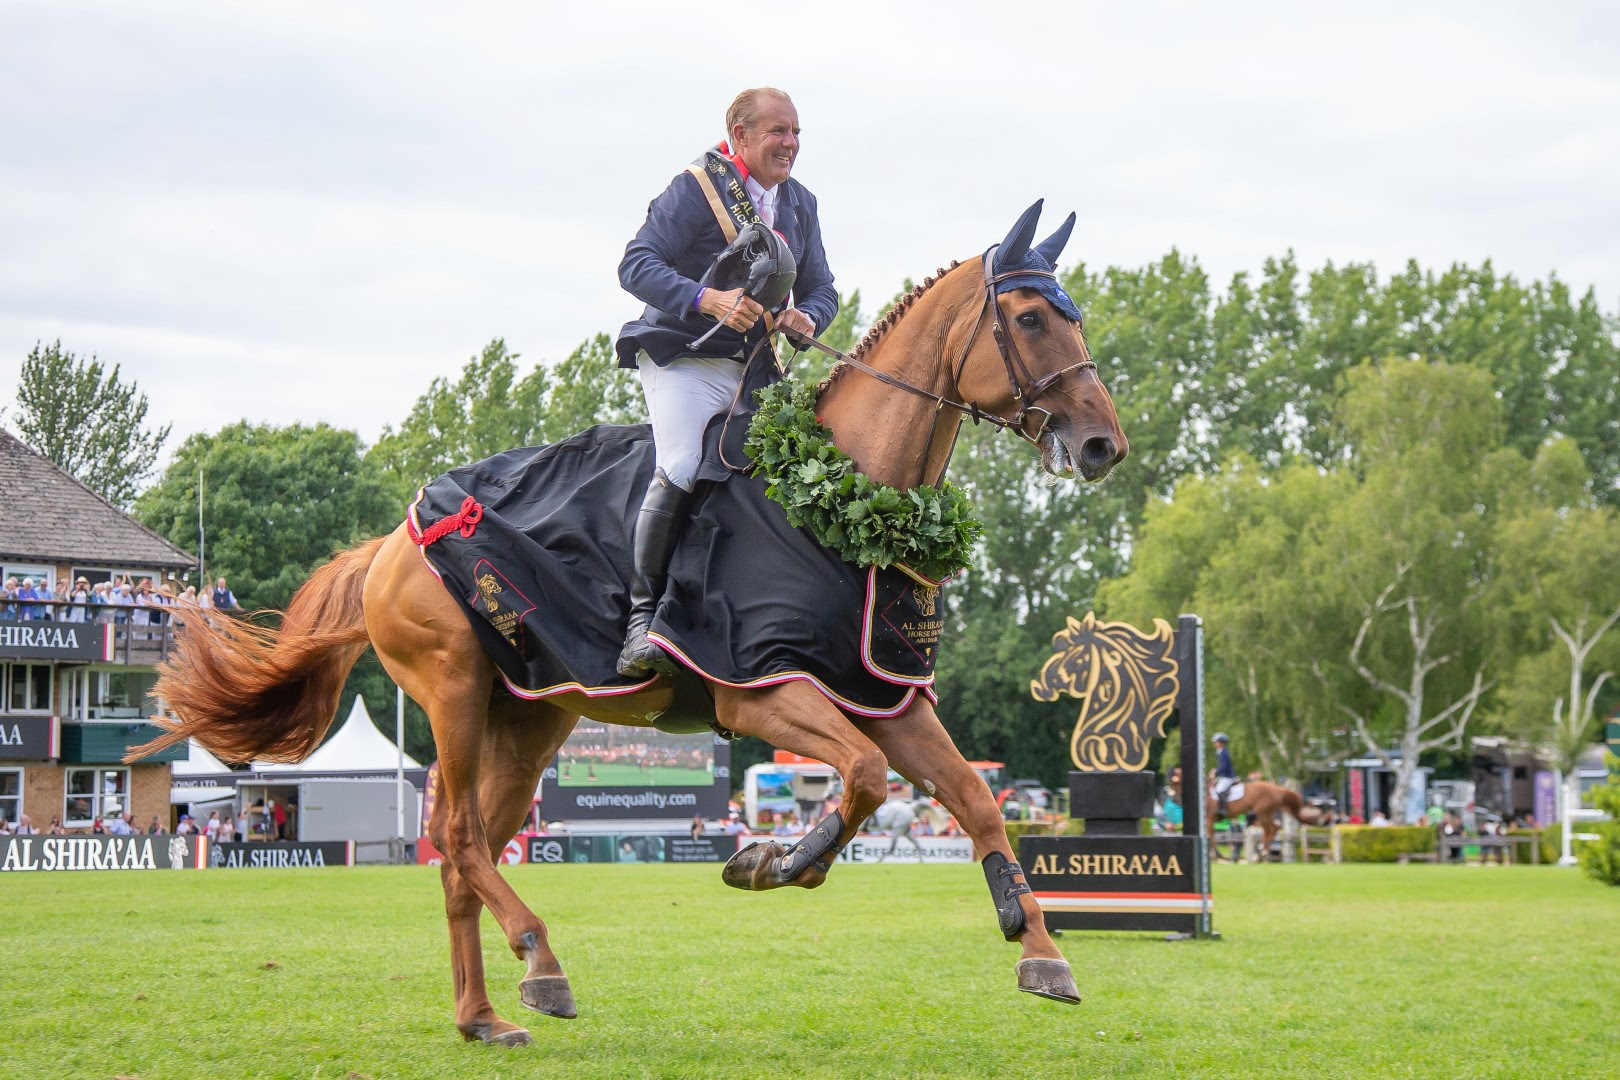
[[121, 601]]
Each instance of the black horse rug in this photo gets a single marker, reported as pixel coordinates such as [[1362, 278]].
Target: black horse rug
[[535, 544]]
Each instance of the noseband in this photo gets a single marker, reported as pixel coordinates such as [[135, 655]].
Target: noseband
[[1025, 387]]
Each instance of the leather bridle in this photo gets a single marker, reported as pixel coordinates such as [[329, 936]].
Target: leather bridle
[[1025, 387]]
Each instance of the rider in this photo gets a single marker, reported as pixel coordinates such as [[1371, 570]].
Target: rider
[[1225, 775], [686, 386]]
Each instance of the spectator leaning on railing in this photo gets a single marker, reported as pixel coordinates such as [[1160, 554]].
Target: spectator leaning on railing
[[8, 597], [32, 612], [222, 597], [80, 599], [123, 597]]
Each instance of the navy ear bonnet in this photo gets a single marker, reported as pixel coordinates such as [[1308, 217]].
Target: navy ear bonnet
[[1017, 252]]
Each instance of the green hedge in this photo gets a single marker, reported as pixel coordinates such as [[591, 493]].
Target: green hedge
[[1551, 838], [1600, 859], [1382, 843]]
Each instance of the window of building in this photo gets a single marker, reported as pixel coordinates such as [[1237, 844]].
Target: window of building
[[43, 580], [27, 687], [97, 574], [121, 693], [11, 788], [26, 570], [91, 792]]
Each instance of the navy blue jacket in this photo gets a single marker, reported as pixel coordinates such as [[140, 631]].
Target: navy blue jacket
[[1223, 764], [677, 244]]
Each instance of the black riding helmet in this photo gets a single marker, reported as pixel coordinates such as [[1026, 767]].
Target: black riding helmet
[[757, 262]]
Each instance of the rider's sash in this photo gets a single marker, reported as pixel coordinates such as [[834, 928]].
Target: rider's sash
[[722, 185]]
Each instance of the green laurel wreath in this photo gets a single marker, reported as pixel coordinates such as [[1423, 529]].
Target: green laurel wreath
[[931, 530]]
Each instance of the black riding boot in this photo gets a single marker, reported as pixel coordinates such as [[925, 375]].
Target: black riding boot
[[662, 513]]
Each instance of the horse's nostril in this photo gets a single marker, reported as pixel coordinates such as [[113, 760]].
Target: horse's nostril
[[1097, 450]]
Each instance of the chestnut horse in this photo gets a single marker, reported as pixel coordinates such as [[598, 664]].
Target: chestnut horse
[[1265, 800], [978, 339]]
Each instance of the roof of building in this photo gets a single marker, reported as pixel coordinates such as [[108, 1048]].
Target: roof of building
[[54, 518]]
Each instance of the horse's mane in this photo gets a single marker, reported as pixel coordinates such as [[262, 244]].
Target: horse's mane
[[877, 330]]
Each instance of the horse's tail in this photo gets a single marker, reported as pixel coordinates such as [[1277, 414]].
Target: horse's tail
[[248, 691], [1305, 813]]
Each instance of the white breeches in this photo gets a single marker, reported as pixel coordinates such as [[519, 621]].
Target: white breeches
[[682, 397]]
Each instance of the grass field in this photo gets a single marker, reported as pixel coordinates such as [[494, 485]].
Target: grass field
[[580, 775], [1375, 971]]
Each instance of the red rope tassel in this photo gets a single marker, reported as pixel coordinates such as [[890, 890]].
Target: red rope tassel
[[464, 520]]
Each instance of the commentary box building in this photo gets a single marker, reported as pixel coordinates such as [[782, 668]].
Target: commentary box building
[[74, 679]]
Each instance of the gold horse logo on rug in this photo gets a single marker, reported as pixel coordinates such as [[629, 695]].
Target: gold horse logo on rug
[[926, 597], [489, 589], [1126, 681]]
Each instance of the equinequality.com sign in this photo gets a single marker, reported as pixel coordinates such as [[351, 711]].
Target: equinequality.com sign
[[18, 853]]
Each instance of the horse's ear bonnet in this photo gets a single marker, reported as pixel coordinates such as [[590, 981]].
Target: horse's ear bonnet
[[1017, 253], [757, 262]]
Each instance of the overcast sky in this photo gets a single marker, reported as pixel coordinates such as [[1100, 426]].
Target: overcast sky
[[302, 212]]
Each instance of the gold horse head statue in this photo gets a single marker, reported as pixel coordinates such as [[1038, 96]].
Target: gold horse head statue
[[1126, 681]]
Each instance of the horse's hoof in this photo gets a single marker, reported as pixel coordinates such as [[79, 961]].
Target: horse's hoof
[[512, 1039], [548, 994], [500, 1033], [1049, 979], [754, 867]]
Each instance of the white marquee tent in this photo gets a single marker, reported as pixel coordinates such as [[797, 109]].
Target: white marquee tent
[[356, 747]]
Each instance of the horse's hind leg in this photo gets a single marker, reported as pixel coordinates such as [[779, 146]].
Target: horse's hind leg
[[796, 718], [519, 741], [921, 750]]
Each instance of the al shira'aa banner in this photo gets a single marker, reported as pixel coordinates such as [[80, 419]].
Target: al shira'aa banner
[[37, 852]]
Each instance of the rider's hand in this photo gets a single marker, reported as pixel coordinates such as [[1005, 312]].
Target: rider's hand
[[716, 304], [796, 320]]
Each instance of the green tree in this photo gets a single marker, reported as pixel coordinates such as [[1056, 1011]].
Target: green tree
[[493, 406], [1565, 604], [87, 420], [1371, 589], [589, 388], [1285, 346], [1409, 559], [490, 407], [276, 502], [1229, 546]]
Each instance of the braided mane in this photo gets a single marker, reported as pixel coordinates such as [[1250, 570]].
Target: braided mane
[[877, 330]]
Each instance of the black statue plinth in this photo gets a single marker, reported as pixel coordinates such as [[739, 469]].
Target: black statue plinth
[[1112, 803], [1113, 877]]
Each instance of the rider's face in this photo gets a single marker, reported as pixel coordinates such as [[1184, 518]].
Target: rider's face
[[771, 144]]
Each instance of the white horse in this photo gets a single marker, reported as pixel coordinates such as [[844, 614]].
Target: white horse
[[897, 816]]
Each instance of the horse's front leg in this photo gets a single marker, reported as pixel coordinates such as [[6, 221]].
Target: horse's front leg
[[921, 750], [796, 718]]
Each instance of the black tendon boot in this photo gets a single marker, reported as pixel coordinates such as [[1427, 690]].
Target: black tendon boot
[[662, 513]]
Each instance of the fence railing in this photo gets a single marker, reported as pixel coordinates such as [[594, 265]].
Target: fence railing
[[142, 633]]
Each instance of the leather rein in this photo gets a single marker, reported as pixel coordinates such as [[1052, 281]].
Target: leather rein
[[1025, 387]]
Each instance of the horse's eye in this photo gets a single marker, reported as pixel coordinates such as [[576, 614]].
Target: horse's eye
[[1030, 320]]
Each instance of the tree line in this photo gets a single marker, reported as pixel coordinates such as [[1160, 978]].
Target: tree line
[[1391, 499]]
